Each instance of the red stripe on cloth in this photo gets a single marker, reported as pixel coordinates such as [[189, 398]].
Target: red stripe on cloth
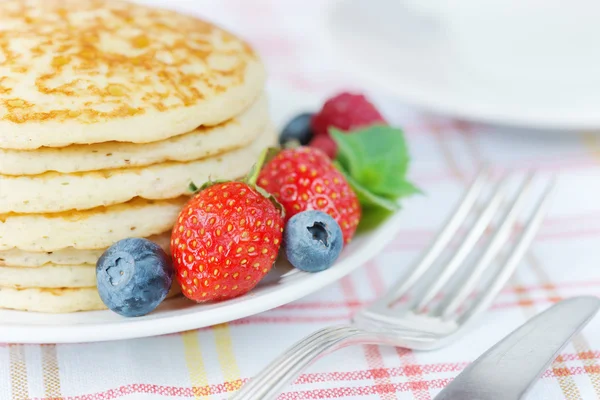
[[509, 290], [414, 373], [260, 319], [407, 357], [346, 316], [358, 304], [407, 386], [344, 392], [309, 305], [574, 161], [428, 369], [381, 376], [372, 354], [561, 220], [417, 240], [370, 374], [574, 234], [186, 392], [513, 165]]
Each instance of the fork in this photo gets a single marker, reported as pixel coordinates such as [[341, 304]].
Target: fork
[[427, 318]]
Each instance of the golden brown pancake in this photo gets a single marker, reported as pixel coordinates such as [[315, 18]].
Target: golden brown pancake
[[58, 300], [54, 192], [67, 256], [92, 229], [91, 71], [201, 143]]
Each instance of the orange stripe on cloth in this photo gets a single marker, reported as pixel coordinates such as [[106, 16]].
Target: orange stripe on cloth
[[383, 384], [226, 354], [565, 381], [50, 372], [18, 372], [195, 364], [579, 341], [407, 357]]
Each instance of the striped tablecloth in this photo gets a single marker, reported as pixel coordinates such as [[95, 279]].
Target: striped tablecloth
[[211, 363]]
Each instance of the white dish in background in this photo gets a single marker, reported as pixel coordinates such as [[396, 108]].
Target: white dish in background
[[448, 60], [281, 286]]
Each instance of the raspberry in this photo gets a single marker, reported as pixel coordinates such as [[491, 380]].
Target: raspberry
[[326, 144], [346, 111]]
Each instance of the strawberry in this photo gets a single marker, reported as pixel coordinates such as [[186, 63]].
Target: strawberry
[[304, 178], [226, 240]]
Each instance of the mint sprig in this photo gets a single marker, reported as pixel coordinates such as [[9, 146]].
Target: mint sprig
[[375, 161]]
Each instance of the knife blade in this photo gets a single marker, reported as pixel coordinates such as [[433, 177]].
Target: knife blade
[[509, 369]]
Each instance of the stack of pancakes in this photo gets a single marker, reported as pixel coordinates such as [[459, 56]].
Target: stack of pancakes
[[108, 111]]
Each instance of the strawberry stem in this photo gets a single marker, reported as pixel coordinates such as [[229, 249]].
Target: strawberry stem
[[292, 144], [265, 156]]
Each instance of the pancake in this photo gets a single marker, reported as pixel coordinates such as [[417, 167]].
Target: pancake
[[200, 143], [49, 276], [93, 229], [81, 72], [53, 192], [51, 300], [69, 256], [64, 300]]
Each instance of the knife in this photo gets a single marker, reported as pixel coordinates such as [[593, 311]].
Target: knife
[[509, 369]]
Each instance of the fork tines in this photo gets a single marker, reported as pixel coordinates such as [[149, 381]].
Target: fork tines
[[498, 216]]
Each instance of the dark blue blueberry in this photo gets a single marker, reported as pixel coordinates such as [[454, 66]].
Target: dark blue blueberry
[[133, 277], [297, 129], [313, 241]]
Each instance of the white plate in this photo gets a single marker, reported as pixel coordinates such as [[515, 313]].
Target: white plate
[[409, 55], [281, 286]]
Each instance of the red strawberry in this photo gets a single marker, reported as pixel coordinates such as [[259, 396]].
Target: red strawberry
[[346, 111], [304, 178], [225, 241]]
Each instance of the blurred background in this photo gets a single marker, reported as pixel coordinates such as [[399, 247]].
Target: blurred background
[[511, 83], [522, 63]]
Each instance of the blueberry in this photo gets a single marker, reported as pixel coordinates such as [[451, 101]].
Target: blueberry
[[133, 277], [313, 241], [298, 129]]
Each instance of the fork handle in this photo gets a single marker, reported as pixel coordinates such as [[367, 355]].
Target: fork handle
[[282, 371]]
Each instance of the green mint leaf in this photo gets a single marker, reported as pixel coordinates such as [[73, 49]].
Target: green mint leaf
[[377, 158], [372, 217], [375, 161], [366, 198], [406, 189], [346, 156]]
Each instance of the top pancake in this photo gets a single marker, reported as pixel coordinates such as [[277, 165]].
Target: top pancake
[[80, 72]]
